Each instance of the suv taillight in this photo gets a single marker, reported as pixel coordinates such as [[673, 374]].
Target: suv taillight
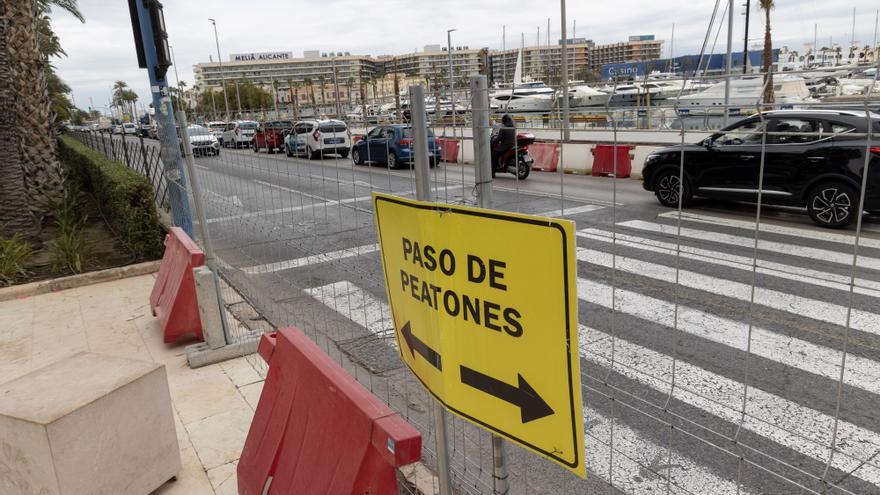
[[316, 135], [875, 150], [406, 142]]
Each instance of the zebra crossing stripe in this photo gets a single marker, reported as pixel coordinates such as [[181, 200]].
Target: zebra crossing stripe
[[789, 272], [790, 303], [787, 423], [822, 235], [810, 253]]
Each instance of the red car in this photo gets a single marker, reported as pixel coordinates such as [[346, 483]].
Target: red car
[[270, 135]]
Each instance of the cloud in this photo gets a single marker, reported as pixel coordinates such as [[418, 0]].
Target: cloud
[[102, 50]]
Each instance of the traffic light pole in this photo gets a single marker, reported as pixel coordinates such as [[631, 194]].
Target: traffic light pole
[[181, 213]]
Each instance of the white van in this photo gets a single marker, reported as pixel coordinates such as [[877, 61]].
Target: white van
[[129, 128], [318, 138]]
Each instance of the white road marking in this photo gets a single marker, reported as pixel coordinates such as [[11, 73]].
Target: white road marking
[[634, 454], [290, 209], [860, 372], [569, 211], [787, 423], [821, 235], [641, 465], [835, 314], [359, 306], [311, 260], [790, 272], [748, 242], [326, 201]]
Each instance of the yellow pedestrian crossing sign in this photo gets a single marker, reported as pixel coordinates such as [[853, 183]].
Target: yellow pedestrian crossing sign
[[485, 311]]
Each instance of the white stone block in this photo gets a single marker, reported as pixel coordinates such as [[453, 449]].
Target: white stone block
[[87, 425]]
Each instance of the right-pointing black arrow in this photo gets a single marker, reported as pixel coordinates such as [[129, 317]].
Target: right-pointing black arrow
[[415, 345], [531, 405]]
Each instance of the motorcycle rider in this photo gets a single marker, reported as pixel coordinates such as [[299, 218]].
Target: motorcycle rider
[[506, 139]]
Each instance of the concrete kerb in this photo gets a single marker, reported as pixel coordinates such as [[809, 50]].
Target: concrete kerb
[[79, 280]]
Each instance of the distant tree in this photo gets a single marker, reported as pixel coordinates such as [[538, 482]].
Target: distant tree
[[767, 58]]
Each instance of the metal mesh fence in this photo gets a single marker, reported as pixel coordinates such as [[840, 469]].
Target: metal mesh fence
[[727, 345]]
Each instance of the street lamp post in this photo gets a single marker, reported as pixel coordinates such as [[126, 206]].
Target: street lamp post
[[566, 135], [220, 61], [451, 79]]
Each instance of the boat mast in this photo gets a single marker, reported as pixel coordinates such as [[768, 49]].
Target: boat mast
[[729, 61], [746, 40]]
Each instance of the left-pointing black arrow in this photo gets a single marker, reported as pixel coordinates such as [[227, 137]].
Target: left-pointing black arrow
[[531, 405], [415, 345]]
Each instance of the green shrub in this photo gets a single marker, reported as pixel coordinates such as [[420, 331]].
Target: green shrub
[[69, 249], [14, 251], [124, 196]]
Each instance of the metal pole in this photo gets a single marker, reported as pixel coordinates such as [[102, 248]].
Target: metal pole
[[336, 89], [275, 97], [169, 144], [483, 172], [238, 98], [195, 191], [451, 79], [423, 193], [222, 76], [174, 64], [746, 40], [566, 132], [729, 67]]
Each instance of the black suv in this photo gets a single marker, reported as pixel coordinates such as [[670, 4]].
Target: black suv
[[813, 158]]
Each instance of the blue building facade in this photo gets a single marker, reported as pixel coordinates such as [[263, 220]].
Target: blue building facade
[[685, 64]]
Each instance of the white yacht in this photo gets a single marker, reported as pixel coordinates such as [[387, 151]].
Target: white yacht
[[523, 96], [746, 92], [581, 95]]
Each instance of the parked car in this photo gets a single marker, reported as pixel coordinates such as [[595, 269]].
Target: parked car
[[217, 129], [129, 128], [813, 159], [318, 138], [146, 129], [202, 141], [392, 145], [271, 134], [239, 134]]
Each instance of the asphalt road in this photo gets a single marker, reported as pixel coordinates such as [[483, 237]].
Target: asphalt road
[[667, 367]]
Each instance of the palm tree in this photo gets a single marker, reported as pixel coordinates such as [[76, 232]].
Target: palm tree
[[119, 89], [32, 166], [767, 59], [321, 82], [348, 84]]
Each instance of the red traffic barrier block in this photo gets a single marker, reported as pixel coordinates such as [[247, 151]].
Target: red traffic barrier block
[[356, 137], [316, 430], [546, 156], [173, 298], [449, 149], [603, 159]]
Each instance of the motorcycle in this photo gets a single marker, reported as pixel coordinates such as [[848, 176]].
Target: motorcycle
[[517, 160]]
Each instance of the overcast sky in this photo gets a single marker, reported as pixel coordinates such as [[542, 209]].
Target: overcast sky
[[101, 51]]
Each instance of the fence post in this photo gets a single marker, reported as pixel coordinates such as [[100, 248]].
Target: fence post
[[423, 193], [202, 225], [125, 151], [482, 148], [147, 172], [483, 174]]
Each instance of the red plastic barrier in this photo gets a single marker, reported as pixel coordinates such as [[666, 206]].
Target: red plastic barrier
[[317, 430], [449, 149], [603, 159], [546, 156], [173, 298], [356, 137]]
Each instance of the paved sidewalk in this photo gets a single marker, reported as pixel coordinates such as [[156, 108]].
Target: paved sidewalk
[[213, 406]]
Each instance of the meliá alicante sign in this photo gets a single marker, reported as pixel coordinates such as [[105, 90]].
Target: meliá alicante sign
[[253, 57]]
